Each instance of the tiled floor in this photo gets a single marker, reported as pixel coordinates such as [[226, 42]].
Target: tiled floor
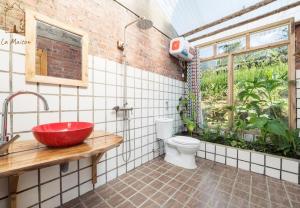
[[159, 184]]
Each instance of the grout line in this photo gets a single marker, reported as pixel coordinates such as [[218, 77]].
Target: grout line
[[288, 196], [231, 193]]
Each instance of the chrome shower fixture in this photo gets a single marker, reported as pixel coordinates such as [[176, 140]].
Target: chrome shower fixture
[[142, 23]]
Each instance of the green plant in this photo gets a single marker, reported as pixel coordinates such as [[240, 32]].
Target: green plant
[[188, 116]]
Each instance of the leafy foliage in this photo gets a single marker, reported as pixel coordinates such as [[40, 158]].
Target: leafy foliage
[[188, 117]]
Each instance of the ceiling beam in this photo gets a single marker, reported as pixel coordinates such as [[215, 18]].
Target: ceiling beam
[[229, 17], [281, 9]]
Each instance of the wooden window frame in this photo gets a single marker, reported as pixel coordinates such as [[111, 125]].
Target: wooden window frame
[[290, 43]]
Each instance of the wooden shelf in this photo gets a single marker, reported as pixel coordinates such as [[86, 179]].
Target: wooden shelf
[[29, 155]]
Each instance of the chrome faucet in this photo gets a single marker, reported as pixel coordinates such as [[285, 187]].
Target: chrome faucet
[[5, 142]]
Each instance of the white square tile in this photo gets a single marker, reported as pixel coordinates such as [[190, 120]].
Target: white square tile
[[210, 156], [85, 103], [69, 195], [201, 154], [27, 198], [28, 180], [18, 63], [69, 181], [289, 177], [85, 175], [53, 202], [111, 164], [243, 165], [111, 79], [19, 83], [25, 103], [101, 168], [49, 189], [49, 89], [68, 90], [86, 187], [72, 167], [90, 61], [111, 175], [99, 90], [231, 162], [85, 162], [257, 158], [4, 63], [49, 173], [257, 168], [49, 117], [4, 82], [111, 66], [19, 48], [290, 165], [202, 145], [68, 102], [99, 116], [244, 155], [99, 63], [69, 116], [273, 162], [220, 159], [86, 90], [231, 152], [24, 122], [272, 172], [220, 150], [99, 77], [86, 116], [53, 102], [99, 103], [210, 148]]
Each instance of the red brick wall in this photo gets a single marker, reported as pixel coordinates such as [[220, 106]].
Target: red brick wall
[[63, 60], [104, 20]]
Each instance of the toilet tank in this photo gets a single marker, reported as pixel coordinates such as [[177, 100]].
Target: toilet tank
[[164, 128]]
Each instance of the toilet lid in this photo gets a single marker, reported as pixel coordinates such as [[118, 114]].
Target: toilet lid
[[184, 140]]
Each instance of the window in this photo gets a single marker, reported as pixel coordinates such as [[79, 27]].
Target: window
[[261, 85], [231, 45], [269, 36], [214, 89], [206, 52]]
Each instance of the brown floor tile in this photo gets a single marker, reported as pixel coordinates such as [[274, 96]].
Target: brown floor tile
[[148, 191], [159, 184], [147, 179], [262, 202], [195, 203], [105, 192], [90, 199], [128, 192], [137, 199], [116, 200], [173, 204], [138, 185], [180, 196], [160, 197], [126, 204], [150, 204], [168, 190]]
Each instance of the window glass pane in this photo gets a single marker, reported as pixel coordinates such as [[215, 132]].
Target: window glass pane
[[260, 87], [269, 36], [231, 46], [206, 52], [214, 92]]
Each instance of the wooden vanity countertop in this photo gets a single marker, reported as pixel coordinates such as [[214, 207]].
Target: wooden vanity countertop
[[30, 154]]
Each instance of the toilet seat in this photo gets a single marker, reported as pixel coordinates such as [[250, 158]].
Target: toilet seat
[[184, 141]]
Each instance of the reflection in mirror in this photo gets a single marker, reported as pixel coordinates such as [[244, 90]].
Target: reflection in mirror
[[58, 52]]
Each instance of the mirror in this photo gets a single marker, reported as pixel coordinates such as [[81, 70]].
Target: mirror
[[57, 53]]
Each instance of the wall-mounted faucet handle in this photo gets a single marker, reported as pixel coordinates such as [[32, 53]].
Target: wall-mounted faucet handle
[[4, 147]]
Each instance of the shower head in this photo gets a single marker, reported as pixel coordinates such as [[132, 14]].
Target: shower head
[[144, 24]]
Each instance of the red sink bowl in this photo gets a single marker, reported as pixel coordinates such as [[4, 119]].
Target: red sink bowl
[[62, 134]]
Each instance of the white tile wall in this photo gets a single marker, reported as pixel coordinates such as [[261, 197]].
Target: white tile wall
[[274, 166], [147, 92]]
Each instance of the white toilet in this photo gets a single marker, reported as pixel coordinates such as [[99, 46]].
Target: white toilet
[[180, 150]]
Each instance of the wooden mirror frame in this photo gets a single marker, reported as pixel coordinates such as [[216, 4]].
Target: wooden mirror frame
[[31, 36]]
